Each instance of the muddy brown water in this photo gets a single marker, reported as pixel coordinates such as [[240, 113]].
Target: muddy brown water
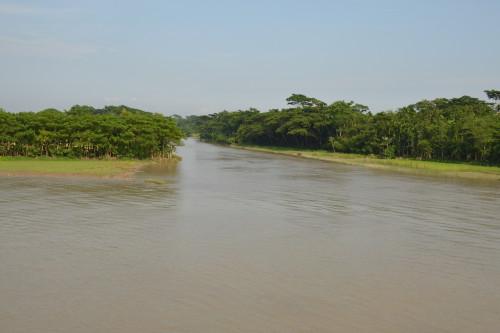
[[243, 241]]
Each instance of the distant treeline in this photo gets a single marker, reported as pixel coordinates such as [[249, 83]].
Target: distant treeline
[[458, 129], [86, 132]]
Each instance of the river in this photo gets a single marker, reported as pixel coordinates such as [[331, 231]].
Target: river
[[243, 241]]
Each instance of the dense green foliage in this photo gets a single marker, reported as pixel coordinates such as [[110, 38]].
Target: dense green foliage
[[85, 132], [494, 95], [459, 129]]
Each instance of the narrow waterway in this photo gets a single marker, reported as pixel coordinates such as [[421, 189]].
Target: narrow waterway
[[242, 241]]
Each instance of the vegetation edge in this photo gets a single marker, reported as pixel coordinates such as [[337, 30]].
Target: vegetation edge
[[424, 167]]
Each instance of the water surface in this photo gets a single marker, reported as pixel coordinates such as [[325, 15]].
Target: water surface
[[242, 241]]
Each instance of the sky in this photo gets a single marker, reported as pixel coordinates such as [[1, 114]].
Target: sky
[[190, 57]]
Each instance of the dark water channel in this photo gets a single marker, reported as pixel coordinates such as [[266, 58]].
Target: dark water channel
[[242, 241]]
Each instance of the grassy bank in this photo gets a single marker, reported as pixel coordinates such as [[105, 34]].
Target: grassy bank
[[68, 167], [402, 165]]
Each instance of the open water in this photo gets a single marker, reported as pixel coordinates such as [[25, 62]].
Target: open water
[[242, 241]]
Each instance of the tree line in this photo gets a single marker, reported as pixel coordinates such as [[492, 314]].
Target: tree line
[[87, 132], [458, 129]]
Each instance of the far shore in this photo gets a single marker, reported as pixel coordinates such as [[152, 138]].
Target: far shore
[[431, 168]]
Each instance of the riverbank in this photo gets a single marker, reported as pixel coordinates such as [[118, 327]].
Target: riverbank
[[63, 168], [401, 165]]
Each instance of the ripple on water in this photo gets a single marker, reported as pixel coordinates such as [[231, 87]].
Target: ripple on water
[[241, 241]]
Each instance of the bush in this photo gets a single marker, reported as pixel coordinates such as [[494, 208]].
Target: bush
[[389, 152]]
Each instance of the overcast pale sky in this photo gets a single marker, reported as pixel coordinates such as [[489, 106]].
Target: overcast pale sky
[[197, 57]]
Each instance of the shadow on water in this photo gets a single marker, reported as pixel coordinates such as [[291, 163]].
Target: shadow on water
[[167, 169]]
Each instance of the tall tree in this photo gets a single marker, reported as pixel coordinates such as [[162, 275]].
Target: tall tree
[[494, 95]]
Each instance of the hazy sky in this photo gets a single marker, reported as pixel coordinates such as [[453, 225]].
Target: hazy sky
[[196, 57]]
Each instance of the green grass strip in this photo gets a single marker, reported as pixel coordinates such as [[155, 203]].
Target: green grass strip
[[460, 170], [68, 166]]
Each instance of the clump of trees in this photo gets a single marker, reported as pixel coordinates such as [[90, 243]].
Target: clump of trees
[[86, 132], [458, 129]]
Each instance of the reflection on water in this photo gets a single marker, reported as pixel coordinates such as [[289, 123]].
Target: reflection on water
[[241, 241]]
